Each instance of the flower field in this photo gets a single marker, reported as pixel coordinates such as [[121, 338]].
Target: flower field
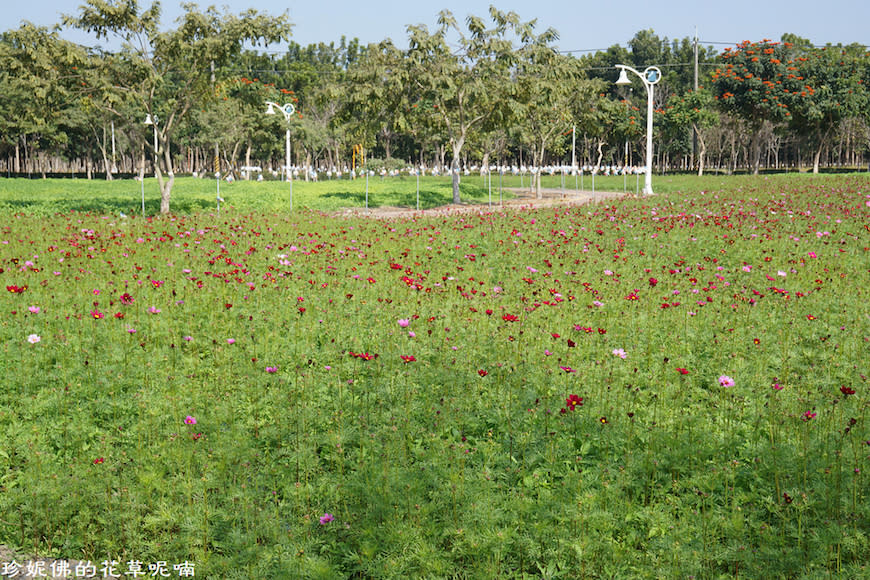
[[665, 387]]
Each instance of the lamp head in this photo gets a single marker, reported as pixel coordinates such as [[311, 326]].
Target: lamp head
[[270, 110], [623, 78], [148, 120]]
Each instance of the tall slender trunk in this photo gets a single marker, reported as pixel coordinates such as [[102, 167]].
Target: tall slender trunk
[[165, 184], [454, 165], [702, 152], [248, 160]]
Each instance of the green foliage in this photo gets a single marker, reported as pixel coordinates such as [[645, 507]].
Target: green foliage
[[171, 72], [39, 80]]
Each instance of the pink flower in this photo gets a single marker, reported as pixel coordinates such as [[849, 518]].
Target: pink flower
[[404, 322], [808, 416], [190, 420], [326, 518], [726, 381], [619, 352], [231, 341], [34, 309], [271, 370]]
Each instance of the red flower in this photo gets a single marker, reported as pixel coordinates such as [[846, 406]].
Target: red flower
[[99, 460], [573, 401], [510, 318], [408, 358], [682, 371], [126, 299], [482, 373], [847, 390], [653, 281]]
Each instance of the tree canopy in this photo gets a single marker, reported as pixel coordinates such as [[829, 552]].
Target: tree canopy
[[460, 95]]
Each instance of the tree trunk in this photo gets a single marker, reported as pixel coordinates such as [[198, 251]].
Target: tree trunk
[[248, 161], [165, 184], [538, 155], [454, 166], [702, 152], [454, 170], [600, 155]]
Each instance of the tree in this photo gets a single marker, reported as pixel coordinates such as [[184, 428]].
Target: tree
[[464, 88], [39, 76], [826, 90], [754, 82], [169, 73], [692, 110], [602, 118], [546, 88], [376, 96]]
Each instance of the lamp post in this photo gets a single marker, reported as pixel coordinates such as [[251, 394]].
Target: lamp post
[[287, 110], [149, 120], [650, 77]]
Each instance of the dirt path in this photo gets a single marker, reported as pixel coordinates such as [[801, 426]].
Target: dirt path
[[524, 200]]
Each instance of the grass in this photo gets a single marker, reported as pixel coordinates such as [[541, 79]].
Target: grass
[[192, 195], [411, 378]]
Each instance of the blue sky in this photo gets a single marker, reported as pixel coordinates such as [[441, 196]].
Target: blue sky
[[583, 25]]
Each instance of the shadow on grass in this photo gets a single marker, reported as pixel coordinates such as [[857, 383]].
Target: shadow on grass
[[107, 206]]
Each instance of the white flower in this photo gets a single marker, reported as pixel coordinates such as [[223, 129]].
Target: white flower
[[33, 338]]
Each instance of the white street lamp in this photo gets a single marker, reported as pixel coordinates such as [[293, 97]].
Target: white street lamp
[[650, 76], [287, 110]]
